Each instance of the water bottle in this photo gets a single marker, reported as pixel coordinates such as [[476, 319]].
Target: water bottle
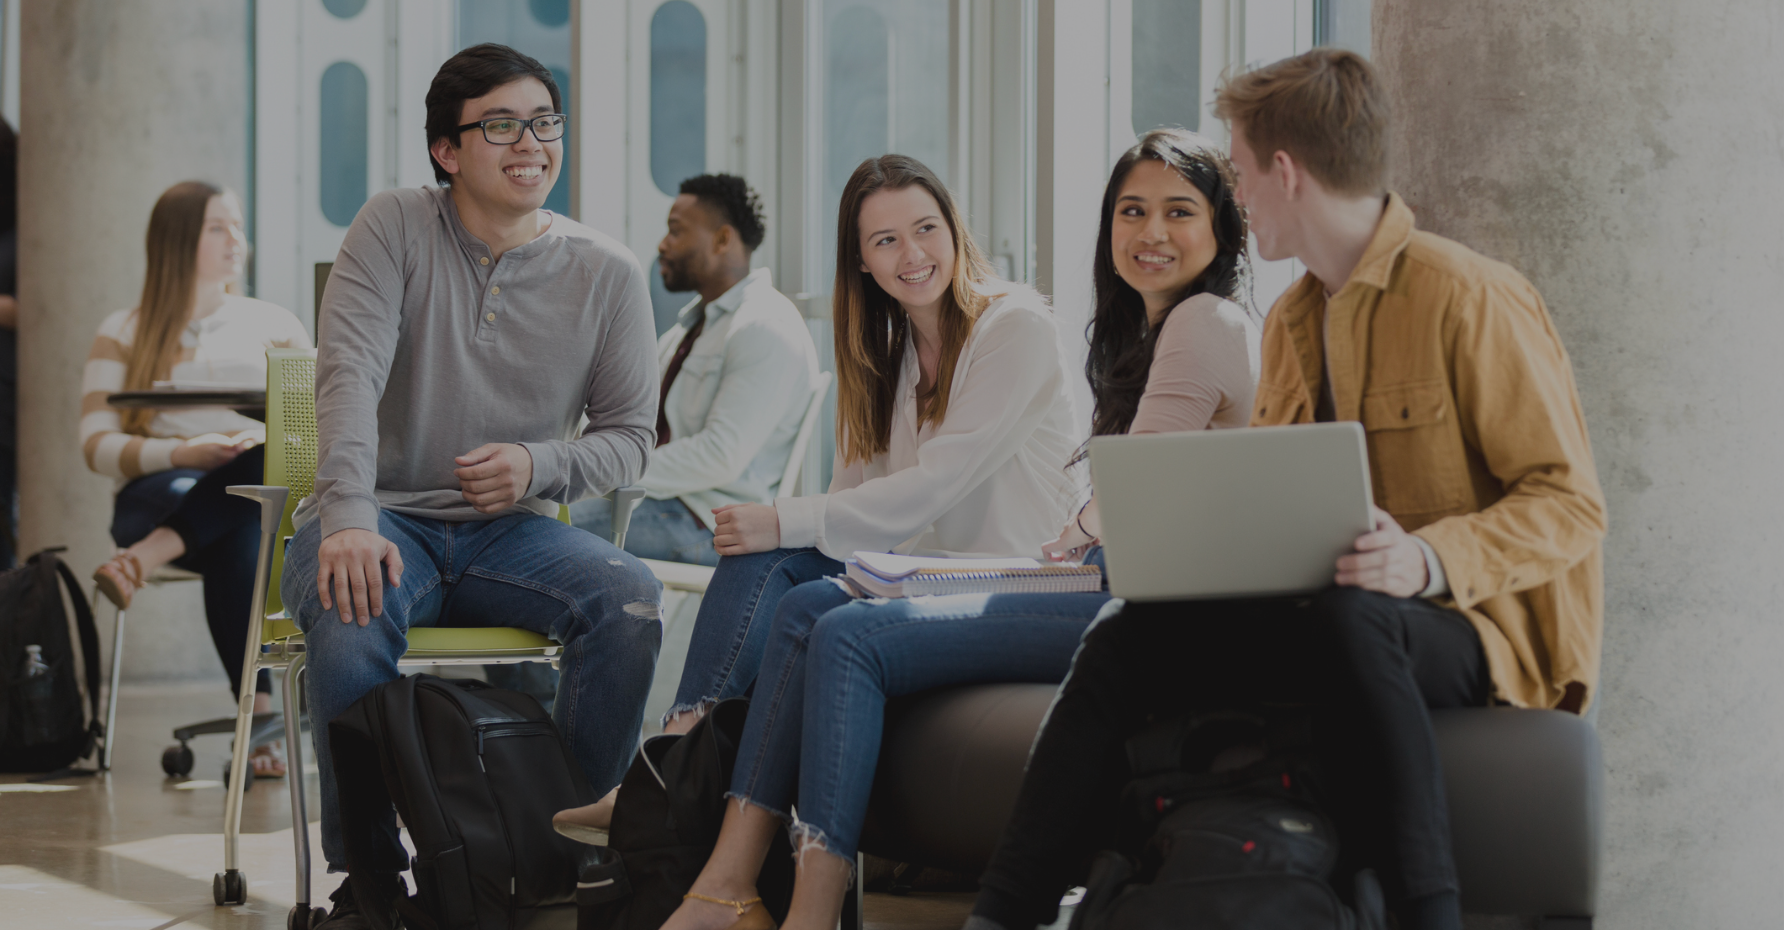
[[38, 690]]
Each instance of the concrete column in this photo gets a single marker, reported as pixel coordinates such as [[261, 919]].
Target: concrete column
[[120, 99], [1625, 156]]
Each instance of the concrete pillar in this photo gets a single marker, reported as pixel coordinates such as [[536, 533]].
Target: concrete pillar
[[120, 99], [1625, 156]]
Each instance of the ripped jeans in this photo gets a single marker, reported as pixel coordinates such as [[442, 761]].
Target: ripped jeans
[[832, 662], [525, 571], [735, 615]]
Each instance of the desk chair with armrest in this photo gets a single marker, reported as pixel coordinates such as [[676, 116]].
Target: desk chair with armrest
[[274, 640]]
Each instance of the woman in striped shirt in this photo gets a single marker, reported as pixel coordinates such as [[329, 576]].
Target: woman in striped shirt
[[172, 466]]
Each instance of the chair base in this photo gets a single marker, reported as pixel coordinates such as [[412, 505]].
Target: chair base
[[177, 761]]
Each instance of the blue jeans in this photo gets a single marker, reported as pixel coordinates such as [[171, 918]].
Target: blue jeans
[[831, 664], [732, 628], [662, 530], [524, 571]]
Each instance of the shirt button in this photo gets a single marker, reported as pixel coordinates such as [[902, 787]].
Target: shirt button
[[495, 290], [483, 261], [490, 317]]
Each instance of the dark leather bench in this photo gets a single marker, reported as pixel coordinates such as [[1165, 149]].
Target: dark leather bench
[[1525, 791]]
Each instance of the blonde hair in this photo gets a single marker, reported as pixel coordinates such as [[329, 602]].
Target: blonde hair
[[1325, 108], [871, 328], [169, 290]]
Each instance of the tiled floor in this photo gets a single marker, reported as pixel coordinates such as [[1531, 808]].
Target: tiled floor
[[134, 850]]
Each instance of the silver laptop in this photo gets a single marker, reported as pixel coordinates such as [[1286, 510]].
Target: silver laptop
[[1230, 513]]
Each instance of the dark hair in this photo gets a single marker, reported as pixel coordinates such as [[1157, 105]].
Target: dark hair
[[9, 178], [733, 202], [1121, 339], [471, 74]]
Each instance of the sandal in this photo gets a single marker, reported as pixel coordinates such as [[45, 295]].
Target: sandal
[[751, 915], [570, 823], [120, 579], [267, 762]]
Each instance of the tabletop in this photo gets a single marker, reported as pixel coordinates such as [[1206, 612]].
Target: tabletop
[[245, 401]]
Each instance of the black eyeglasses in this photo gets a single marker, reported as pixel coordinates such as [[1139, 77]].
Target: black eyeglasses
[[506, 130]]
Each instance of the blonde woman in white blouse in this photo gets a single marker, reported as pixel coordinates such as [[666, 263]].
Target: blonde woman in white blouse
[[172, 466], [954, 423]]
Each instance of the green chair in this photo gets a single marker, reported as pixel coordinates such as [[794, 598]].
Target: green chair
[[274, 640]]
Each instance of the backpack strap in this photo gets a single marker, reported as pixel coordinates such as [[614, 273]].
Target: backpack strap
[[84, 627], [374, 851]]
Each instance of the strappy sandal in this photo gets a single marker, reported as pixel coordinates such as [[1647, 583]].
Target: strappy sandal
[[751, 915], [120, 579]]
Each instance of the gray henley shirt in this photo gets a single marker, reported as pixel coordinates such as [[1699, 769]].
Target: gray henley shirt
[[429, 346]]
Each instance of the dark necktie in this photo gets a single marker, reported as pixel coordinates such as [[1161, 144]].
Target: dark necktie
[[675, 363]]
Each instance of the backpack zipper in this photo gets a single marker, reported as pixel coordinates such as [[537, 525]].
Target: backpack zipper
[[507, 728]]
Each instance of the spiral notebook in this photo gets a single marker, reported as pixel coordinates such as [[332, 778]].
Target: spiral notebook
[[883, 574]]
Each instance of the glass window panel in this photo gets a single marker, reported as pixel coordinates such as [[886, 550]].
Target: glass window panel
[[540, 28], [1167, 64], [551, 13], [677, 95], [886, 89], [1344, 23], [345, 136]]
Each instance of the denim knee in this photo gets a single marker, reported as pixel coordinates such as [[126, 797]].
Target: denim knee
[[841, 634], [800, 610], [626, 582]]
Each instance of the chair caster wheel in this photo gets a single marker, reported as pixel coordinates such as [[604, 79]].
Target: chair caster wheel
[[229, 887], [304, 918], [177, 761]]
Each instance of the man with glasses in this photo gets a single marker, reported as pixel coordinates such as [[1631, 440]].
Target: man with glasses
[[464, 335]]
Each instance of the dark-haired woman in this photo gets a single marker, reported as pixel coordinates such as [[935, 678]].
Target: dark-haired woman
[[813, 731], [172, 466], [1170, 348]]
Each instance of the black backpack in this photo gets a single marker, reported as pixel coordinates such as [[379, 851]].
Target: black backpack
[[476, 774], [1234, 838], [665, 824], [42, 726]]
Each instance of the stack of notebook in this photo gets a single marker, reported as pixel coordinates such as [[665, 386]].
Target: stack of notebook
[[883, 574]]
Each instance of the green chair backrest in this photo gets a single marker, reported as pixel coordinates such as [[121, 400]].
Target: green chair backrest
[[290, 443]]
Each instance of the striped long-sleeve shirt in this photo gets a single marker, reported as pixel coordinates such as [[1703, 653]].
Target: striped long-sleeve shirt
[[229, 346]]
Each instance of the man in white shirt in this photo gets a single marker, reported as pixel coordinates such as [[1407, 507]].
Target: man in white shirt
[[737, 375]]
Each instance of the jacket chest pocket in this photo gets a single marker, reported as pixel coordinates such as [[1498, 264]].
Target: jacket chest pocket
[[1277, 406], [696, 385], [1415, 449]]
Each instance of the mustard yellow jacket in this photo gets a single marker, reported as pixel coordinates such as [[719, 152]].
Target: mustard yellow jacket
[[1476, 441]]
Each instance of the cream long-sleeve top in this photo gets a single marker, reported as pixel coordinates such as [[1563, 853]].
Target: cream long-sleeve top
[[1204, 371], [988, 481], [229, 346]]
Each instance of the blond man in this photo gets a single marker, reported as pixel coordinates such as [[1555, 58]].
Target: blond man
[[1481, 582]]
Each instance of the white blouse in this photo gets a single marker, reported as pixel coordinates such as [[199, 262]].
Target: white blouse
[[989, 481]]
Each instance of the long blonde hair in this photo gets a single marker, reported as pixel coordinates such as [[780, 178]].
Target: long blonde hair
[[169, 291], [871, 328]]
